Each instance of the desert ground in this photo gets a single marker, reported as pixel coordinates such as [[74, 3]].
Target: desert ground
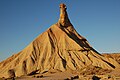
[[65, 76], [60, 53], [88, 73]]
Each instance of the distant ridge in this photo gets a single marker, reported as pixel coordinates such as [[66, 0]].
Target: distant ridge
[[115, 56]]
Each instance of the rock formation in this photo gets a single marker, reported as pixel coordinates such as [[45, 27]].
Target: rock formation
[[115, 56], [64, 20], [60, 48]]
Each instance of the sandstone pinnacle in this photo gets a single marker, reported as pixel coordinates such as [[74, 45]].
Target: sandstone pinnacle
[[63, 20], [59, 48]]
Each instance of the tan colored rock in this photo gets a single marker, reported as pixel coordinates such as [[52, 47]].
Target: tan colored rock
[[64, 20], [115, 56], [58, 48]]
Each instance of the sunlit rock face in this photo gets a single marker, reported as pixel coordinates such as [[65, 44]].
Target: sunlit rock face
[[60, 48]]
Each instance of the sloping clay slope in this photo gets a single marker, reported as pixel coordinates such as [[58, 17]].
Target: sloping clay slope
[[58, 48], [115, 56]]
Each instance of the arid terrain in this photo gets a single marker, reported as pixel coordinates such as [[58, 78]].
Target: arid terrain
[[60, 53], [115, 56], [88, 73]]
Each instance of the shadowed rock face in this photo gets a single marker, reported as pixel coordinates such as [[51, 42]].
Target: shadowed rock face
[[60, 48], [11, 73]]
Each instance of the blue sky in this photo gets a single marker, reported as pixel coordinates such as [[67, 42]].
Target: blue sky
[[21, 21]]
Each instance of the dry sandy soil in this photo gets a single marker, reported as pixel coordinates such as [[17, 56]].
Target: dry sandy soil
[[91, 73], [62, 49], [87, 73]]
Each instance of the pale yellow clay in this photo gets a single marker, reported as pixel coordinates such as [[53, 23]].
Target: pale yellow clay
[[60, 48]]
